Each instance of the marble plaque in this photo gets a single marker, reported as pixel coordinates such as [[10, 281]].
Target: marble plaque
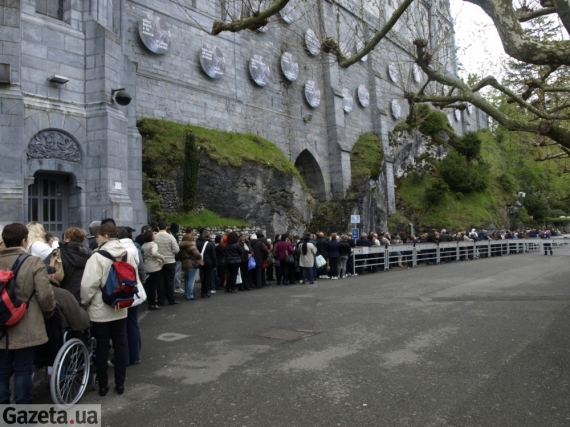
[[470, 109], [212, 61], [393, 72], [347, 101], [259, 70], [363, 96], [359, 47], [313, 43], [416, 73], [289, 66], [289, 13], [155, 34], [457, 114], [396, 109], [312, 94]]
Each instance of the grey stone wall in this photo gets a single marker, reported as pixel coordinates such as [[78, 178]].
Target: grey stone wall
[[97, 48]]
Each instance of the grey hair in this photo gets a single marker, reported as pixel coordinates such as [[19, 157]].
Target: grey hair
[[93, 226]]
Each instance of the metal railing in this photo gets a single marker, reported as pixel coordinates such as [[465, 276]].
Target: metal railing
[[377, 258]]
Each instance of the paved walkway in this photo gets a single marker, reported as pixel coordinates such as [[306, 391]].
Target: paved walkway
[[479, 343]]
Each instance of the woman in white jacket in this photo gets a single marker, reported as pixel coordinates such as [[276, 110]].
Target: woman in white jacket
[[106, 322], [37, 245]]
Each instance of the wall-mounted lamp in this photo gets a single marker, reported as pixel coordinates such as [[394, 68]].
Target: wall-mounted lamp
[[308, 118], [122, 97], [60, 80]]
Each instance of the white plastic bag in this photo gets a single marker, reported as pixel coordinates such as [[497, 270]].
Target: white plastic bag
[[238, 279]]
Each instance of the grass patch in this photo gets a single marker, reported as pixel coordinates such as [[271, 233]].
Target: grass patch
[[472, 210], [205, 218], [366, 157], [163, 148]]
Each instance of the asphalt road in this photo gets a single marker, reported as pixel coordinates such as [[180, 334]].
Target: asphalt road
[[473, 343]]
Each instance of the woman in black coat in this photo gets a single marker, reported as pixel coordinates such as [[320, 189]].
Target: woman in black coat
[[74, 256], [260, 254], [233, 257], [210, 262], [244, 270]]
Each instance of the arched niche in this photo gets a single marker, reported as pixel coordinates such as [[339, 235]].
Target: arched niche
[[309, 169]]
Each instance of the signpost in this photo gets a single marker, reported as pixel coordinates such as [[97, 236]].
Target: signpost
[[355, 219]]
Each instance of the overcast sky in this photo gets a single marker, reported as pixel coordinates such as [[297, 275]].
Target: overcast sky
[[479, 46]]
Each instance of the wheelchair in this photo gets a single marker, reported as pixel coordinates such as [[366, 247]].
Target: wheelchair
[[72, 370], [69, 366]]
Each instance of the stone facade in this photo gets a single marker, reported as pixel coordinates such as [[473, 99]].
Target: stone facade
[[70, 154]]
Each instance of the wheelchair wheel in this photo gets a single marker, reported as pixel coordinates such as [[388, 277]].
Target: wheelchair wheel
[[70, 374]]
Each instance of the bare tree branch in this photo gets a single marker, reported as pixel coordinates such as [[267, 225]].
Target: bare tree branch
[[257, 20], [548, 128], [330, 44], [516, 42], [525, 16]]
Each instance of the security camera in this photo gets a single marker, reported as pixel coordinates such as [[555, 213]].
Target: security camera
[[121, 96]]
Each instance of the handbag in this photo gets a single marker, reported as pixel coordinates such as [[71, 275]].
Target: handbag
[[238, 278], [200, 262], [251, 264], [55, 261], [320, 261], [290, 259]]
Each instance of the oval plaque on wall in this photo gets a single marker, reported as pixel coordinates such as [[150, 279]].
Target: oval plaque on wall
[[393, 72], [312, 94], [259, 70], [363, 96], [396, 109], [289, 66], [347, 101], [155, 34], [212, 61], [359, 47], [289, 12], [470, 109], [416, 73], [457, 114], [313, 43]]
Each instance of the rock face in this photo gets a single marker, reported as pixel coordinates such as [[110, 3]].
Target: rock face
[[407, 147], [169, 200], [256, 194]]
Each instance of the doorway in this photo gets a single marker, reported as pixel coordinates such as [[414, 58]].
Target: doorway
[[47, 202]]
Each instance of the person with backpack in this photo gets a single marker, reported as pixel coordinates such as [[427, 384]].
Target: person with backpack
[[32, 289], [107, 322]]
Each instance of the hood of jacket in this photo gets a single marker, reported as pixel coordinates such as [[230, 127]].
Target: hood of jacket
[[75, 253], [114, 247]]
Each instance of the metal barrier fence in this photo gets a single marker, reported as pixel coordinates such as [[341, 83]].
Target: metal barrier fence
[[376, 258]]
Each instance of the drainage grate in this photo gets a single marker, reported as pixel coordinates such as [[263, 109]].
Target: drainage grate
[[284, 334]]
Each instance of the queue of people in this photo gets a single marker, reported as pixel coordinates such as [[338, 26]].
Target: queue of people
[[167, 262]]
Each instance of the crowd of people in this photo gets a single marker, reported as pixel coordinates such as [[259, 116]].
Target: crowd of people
[[167, 263]]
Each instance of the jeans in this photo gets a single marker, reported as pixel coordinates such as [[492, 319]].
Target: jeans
[[134, 342], [178, 275], [20, 362], [103, 332], [341, 266], [189, 278], [307, 271]]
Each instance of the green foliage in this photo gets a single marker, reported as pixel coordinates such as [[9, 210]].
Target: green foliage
[[461, 175], [436, 192], [332, 216], [397, 218], [191, 169], [536, 205], [366, 157], [205, 218], [508, 183], [163, 148], [469, 146]]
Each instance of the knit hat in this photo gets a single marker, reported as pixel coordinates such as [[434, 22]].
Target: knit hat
[[253, 237]]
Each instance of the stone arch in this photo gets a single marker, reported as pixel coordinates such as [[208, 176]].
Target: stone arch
[[311, 173], [56, 154]]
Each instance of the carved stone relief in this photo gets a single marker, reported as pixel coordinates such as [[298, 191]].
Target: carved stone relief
[[54, 144]]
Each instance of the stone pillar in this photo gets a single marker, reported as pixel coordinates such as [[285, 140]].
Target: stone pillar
[[107, 173], [11, 117]]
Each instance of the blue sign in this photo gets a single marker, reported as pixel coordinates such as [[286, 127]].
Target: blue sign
[[355, 233], [355, 219]]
